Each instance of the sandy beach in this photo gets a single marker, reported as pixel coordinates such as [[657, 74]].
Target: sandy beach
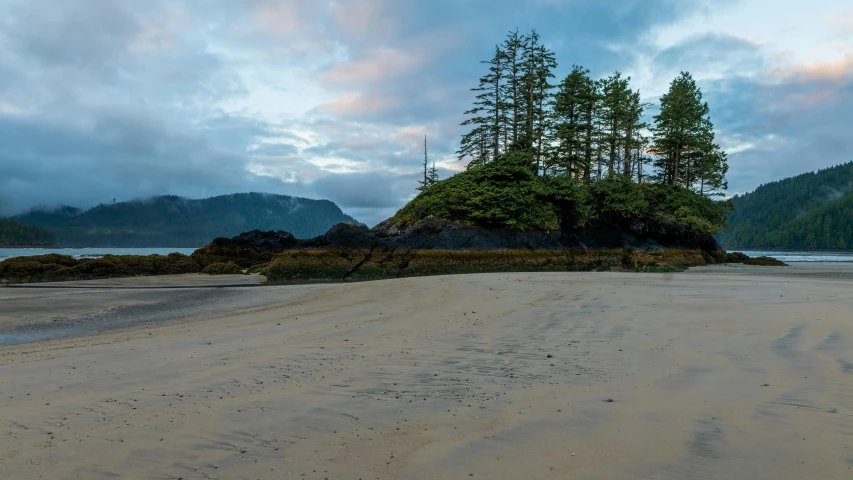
[[725, 372]]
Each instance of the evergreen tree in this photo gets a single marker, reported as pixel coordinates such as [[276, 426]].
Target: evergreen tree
[[634, 141], [682, 129], [513, 47], [488, 115], [432, 178], [575, 104], [424, 184], [614, 112], [538, 64]]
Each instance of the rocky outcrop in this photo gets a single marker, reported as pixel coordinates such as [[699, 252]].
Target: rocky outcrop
[[257, 247], [54, 267], [431, 246], [246, 249]]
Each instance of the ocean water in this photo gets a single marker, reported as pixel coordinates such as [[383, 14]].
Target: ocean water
[[97, 252], [90, 252], [845, 256]]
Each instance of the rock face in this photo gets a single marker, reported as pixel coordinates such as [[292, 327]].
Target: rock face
[[253, 248]]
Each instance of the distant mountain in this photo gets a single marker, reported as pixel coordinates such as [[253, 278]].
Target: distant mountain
[[48, 217], [171, 221], [16, 233], [809, 211]]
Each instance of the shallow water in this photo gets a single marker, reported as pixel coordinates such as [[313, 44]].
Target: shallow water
[[834, 256], [90, 252]]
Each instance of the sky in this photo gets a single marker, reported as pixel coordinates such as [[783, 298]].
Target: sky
[[125, 99]]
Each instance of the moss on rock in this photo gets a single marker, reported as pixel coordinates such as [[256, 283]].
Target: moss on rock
[[228, 268], [765, 261], [55, 267], [369, 264], [737, 257]]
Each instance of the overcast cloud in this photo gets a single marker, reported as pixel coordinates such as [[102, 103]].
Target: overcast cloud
[[103, 99]]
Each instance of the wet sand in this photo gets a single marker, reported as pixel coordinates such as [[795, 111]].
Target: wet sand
[[159, 281], [726, 374]]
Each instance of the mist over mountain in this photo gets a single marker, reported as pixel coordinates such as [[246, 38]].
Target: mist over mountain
[[172, 221], [809, 211]]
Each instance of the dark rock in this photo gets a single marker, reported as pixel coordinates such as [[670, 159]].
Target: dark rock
[[255, 248], [765, 262], [260, 241], [737, 257]]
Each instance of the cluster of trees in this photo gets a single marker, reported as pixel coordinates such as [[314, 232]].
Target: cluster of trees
[[507, 193], [589, 129], [809, 211], [171, 221], [16, 233]]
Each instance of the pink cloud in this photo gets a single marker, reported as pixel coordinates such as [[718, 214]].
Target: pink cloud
[[835, 71], [298, 22], [381, 63], [363, 17], [845, 19], [357, 105]]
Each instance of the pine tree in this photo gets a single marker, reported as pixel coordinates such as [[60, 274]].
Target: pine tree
[[424, 184], [682, 131], [432, 178], [573, 109], [537, 66], [513, 47], [633, 139], [615, 110], [488, 114]]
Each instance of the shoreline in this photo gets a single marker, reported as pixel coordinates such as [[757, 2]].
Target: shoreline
[[163, 284]]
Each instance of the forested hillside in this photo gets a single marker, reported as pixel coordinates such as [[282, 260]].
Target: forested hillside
[[813, 210], [17, 233], [171, 221]]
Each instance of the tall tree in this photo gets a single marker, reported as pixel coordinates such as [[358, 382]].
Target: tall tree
[[487, 116], [574, 107], [633, 140], [682, 127], [424, 184], [513, 48], [616, 98], [538, 64]]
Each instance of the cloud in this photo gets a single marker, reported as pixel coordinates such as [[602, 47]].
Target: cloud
[[379, 65], [785, 122], [358, 105], [332, 98]]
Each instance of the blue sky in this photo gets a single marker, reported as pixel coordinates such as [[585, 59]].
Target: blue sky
[[103, 99]]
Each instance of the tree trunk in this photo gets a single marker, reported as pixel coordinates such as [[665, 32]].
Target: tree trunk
[[628, 137], [497, 131]]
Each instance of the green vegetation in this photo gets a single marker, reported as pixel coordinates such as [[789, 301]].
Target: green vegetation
[[54, 267], [506, 193], [171, 221], [809, 211], [301, 265], [16, 233]]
